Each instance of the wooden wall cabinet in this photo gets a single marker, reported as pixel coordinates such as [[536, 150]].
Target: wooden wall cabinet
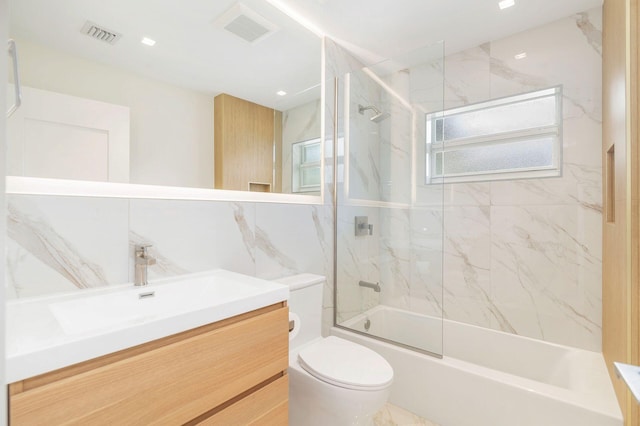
[[621, 222], [247, 139], [229, 372]]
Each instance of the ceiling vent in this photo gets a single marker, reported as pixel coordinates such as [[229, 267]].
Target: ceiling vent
[[245, 23], [100, 33]]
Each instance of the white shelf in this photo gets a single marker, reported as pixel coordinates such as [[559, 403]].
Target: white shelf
[[631, 375]]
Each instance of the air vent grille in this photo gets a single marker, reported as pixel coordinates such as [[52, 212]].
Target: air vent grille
[[243, 22], [246, 28], [100, 33]]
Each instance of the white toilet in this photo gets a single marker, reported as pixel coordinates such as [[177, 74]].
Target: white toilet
[[332, 381]]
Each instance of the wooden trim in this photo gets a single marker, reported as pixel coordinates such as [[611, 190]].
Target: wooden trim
[[633, 116]]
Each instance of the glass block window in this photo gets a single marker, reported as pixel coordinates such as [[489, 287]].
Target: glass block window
[[306, 176], [509, 138]]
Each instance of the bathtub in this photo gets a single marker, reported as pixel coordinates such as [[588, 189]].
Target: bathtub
[[487, 377]]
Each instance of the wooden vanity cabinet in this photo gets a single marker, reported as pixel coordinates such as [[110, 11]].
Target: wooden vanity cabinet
[[229, 372]]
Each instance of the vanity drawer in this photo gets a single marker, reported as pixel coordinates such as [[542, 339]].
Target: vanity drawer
[[169, 382], [268, 406]]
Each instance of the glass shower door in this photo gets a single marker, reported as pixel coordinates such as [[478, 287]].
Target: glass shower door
[[389, 235]]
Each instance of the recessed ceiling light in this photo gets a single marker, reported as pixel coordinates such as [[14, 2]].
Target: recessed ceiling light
[[281, 93], [506, 3], [147, 41], [521, 55]]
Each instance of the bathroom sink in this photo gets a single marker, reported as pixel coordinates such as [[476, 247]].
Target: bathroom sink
[[139, 304], [47, 333]]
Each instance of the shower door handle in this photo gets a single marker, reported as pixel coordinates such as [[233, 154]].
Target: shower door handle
[[16, 78]]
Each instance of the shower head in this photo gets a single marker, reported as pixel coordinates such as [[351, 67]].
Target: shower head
[[378, 117]]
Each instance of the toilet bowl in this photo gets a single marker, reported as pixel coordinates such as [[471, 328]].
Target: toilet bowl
[[332, 381]]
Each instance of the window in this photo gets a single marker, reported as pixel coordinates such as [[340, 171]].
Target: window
[[306, 176], [509, 138]]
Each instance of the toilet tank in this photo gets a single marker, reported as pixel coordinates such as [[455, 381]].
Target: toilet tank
[[305, 306]]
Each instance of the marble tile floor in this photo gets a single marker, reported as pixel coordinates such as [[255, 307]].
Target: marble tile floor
[[391, 415]]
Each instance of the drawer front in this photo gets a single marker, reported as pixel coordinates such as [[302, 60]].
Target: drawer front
[[168, 385], [265, 407]]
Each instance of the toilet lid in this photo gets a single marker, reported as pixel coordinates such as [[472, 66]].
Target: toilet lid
[[346, 364]]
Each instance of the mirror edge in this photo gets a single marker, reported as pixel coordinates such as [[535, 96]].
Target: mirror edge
[[21, 185]]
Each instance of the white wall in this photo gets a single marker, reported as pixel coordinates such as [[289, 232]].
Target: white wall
[[171, 127]]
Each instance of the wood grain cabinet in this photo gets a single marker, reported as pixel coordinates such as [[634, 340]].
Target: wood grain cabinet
[[232, 372], [247, 139]]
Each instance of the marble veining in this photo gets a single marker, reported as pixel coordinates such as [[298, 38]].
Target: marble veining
[[248, 238], [501, 68], [42, 241], [591, 33], [266, 245]]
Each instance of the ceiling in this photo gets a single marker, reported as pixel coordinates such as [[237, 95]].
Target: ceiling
[[382, 29], [193, 52]]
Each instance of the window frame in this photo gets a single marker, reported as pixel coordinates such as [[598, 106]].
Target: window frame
[[435, 148], [297, 166]]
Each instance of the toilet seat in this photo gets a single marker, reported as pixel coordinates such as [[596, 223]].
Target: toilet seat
[[346, 364]]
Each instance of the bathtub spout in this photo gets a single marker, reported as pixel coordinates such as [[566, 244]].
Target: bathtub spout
[[374, 286]]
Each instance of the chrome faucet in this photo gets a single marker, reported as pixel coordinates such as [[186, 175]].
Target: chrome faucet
[[143, 260]]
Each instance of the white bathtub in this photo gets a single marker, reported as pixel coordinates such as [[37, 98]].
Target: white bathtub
[[490, 378]]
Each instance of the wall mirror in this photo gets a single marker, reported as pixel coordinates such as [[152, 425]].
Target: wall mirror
[[202, 94]]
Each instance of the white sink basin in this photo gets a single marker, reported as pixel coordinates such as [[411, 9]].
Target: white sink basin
[[140, 304], [47, 333]]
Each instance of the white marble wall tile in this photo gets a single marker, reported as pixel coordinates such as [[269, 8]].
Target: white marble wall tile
[[467, 77], [65, 243], [396, 141], [561, 249], [426, 84], [290, 239], [364, 141], [547, 263], [427, 260], [192, 236], [395, 256], [467, 194], [549, 62], [467, 265], [579, 72], [547, 191], [357, 259]]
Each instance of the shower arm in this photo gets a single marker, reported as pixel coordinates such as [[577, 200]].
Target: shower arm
[[362, 109]]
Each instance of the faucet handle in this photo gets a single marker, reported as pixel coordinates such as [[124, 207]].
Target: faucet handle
[[142, 249]]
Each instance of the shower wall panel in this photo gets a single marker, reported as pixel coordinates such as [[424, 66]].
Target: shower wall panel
[[524, 256]]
